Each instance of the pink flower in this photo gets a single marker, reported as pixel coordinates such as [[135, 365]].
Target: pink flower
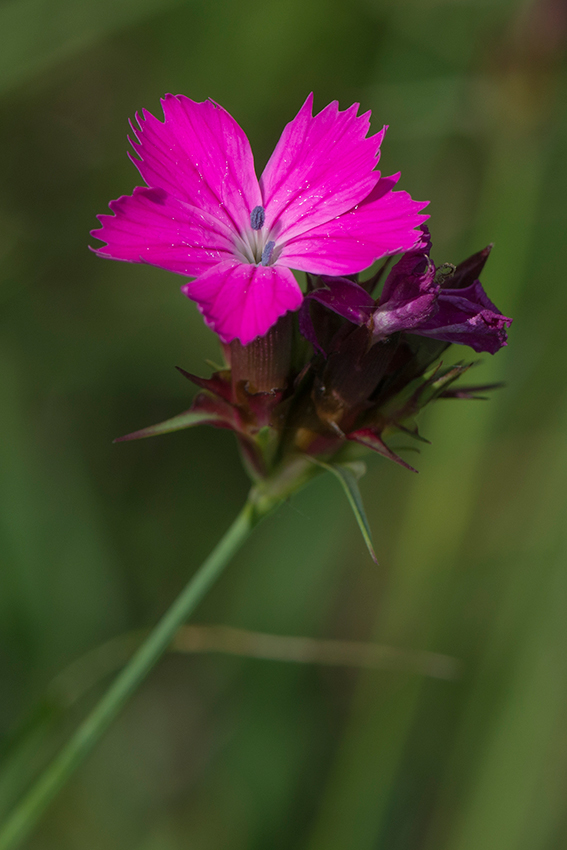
[[318, 207]]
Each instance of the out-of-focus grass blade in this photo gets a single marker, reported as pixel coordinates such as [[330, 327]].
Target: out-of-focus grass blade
[[35, 34], [359, 804], [348, 474]]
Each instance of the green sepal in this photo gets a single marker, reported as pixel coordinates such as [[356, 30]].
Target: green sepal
[[420, 392], [348, 474], [440, 380], [187, 419]]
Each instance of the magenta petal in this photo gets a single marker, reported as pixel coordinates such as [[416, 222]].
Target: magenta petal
[[241, 300], [200, 155], [321, 167], [152, 227], [383, 224]]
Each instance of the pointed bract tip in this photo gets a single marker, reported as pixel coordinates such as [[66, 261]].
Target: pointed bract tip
[[185, 374]]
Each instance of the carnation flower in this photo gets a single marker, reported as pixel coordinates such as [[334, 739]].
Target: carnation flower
[[320, 207]]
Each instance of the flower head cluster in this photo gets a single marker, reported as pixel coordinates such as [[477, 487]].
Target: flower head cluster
[[310, 378], [319, 207], [371, 365]]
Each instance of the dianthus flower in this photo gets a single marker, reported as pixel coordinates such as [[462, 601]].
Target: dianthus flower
[[320, 207]]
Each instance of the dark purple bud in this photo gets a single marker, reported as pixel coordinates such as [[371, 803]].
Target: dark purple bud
[[447, 304], [468, 317], [257, 218]]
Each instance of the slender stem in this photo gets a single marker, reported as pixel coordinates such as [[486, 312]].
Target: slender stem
[[22, 820]]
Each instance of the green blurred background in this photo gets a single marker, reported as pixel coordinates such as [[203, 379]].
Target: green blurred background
[[244, 754]]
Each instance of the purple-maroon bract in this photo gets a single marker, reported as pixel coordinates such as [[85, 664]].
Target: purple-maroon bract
[[320, 206]]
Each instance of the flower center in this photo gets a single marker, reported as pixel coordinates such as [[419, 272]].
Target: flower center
[[254, 246]]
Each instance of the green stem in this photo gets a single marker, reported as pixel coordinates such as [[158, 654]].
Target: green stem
[[22, 820]]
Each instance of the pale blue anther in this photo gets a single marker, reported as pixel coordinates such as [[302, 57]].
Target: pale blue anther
[[267, 253], [257, 218]]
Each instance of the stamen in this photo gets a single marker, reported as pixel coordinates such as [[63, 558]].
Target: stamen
[[257, 218], [267, 253]]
